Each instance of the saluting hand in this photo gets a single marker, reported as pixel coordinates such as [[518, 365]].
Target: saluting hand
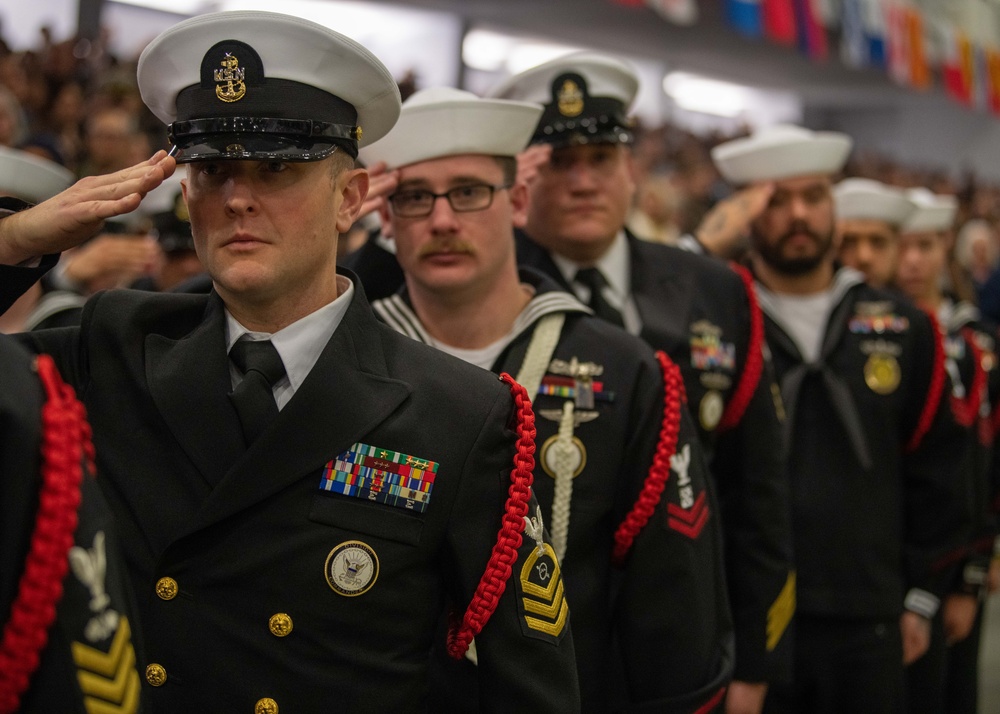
[[381, 184], [530, 160], [723, 227], [71, 217]]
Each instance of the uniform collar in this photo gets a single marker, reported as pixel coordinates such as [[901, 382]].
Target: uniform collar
[[843, 280], [614, 266], [301, 343], [397, 312]]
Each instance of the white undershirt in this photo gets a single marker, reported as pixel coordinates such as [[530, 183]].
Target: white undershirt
[[484, 357], [804, 317]]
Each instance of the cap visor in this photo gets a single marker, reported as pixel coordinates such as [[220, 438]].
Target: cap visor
[[252, 147]]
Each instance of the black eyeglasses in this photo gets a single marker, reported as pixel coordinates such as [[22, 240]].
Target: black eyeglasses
[[462, 199]]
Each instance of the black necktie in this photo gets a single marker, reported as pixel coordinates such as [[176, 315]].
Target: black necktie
[[261, 366], [592, 279]]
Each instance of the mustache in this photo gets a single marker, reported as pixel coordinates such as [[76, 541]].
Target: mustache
[[797, 228], [455, 245]]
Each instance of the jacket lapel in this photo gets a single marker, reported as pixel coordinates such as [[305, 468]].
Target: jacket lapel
[[346, 395], [189, 382], [657, 284]]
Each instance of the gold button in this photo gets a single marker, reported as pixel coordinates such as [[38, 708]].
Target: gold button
[[266, 706], [280, 624], [166, 588], [156, 675]]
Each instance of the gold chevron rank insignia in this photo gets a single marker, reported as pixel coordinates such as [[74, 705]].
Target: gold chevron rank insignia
[[542, 600], [108, 680], [780, 613]]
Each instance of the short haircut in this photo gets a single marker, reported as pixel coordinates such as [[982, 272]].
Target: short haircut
[[340, 161]]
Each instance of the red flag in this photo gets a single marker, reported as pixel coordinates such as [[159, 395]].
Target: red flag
[[779, 20], [957, 68]]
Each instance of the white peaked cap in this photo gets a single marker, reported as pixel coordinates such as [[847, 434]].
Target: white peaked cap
[[29, 177], [441, 121], [781, 151], [278, 54], [859, 198], [586, 98], [606, 77], [935, 212]]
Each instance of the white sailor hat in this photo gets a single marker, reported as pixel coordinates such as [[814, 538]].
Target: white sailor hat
[[779, 152], [29, 177], [586, 98], [265, 86], [442, 121], [859, 198], [935, 212]]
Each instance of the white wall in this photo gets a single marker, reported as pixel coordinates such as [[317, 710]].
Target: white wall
[[927, 132], [22, 19]]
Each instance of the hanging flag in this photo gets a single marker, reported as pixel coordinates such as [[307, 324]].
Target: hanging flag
[[779, 20], [899, 43], [875, 22], [811, 33], [853, 41], [679, 12], [744, 16], [920, 73], [993, 80], [957, 67]]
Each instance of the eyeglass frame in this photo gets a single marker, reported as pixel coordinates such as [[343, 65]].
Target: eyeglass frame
[[447, 195]]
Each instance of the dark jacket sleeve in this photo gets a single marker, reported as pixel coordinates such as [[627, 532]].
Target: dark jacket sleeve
[[754, 495], [15, 280], [525, 651], [937, 511], [88, 659], [673, 626]]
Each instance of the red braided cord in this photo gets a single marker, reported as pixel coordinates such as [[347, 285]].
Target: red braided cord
[[934, 389], [659, 472], [966, 410], [65, 441], [494, 581], [754, 365]]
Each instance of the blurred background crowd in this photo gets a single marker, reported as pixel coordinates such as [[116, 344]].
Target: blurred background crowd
[[74, 102]]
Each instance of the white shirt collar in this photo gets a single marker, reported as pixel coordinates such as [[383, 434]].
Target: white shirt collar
[[614, 266], [299, 344]]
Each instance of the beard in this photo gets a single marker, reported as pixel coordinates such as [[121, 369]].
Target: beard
[[773, 252]]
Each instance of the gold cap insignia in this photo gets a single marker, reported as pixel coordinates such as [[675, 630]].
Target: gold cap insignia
[[570, 98], [230, 87]]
